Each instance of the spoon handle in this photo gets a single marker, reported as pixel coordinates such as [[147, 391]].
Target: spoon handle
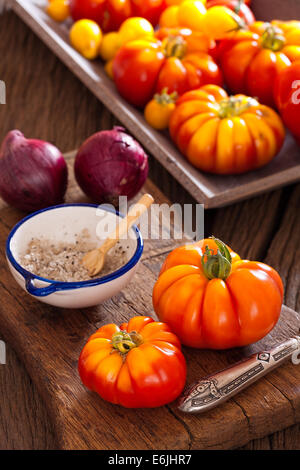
[[135, 212], [219, 387]]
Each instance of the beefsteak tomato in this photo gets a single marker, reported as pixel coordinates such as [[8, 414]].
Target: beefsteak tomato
[[139, 365], [213, 299], [225, 135], [110, 14], [287, 95], [251, 60], [178, 62]]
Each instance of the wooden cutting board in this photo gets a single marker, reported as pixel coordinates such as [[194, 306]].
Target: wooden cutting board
[[49, 340], [210, 190]]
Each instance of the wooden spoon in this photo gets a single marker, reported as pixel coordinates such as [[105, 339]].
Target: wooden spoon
[[94, 260]]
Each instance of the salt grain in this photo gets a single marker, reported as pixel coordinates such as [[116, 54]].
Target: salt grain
[[62, 261]]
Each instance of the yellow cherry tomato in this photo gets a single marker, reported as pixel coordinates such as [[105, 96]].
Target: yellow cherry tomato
[[169, 17], [58, 10], [86, 38], [135, 28], [191, 14], [109, 69], [158, 111], [110, 45], [220, 22]]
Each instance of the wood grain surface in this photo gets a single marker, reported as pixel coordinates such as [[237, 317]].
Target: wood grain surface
[[46, 101], [49, 341], [210, 190]]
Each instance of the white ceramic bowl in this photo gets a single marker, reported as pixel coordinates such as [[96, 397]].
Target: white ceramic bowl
[[61, 223]]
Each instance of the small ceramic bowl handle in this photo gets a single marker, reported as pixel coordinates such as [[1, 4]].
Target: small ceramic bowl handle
[[39, 291]]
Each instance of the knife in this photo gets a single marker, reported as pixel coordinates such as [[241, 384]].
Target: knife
[[217, 388]]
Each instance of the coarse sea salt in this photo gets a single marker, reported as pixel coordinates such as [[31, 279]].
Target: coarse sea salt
[[62, 261]]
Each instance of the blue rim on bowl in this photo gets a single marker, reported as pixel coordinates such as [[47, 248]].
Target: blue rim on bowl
[[56, 286]]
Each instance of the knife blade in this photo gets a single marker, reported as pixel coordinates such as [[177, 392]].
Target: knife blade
[[217, 388]]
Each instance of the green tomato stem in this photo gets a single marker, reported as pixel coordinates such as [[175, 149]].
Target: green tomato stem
[[232, 106], [273, 39], [165, 97], [217, 266], [174, 46], [123, 341]]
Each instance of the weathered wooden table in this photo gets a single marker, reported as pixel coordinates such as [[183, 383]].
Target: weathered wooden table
[[46, 101]]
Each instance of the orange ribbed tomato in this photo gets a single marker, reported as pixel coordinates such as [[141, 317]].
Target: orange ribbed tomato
[[139, 365], [225, 135], [251, 60], [178, 62], [213, 299]]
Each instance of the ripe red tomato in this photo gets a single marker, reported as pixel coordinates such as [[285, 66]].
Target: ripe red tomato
[[179, 62], [110, 14], [239, 7], [149, 9], [252, 59], [287, 96], [139, 365]]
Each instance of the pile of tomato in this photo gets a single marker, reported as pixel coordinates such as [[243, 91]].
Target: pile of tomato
[[225, 86], [205, 297], [175, 58]]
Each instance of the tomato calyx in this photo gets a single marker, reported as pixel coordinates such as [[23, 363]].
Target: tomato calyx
[[238, 6], [240, 23], [217, 266], [234, 106], [165, 98], [273, 39], [123, 341], [174, 46]]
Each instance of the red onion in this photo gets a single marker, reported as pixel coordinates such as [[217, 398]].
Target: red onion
[[33, 173], [111, 164]]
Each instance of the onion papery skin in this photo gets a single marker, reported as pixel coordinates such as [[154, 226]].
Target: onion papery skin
[[33, 173], [111, 164]]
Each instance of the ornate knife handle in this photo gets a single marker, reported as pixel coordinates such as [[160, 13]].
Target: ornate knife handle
[[218, 388]]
